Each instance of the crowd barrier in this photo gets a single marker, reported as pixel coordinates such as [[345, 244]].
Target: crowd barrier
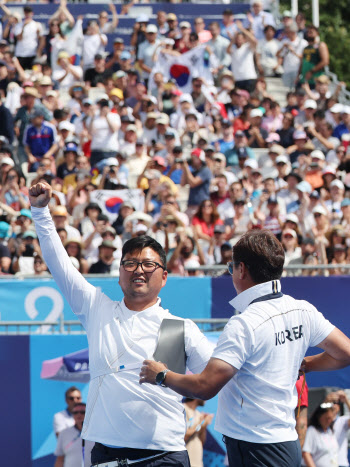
[[29, 402]]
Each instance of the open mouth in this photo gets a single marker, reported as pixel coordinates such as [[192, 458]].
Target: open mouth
[[139, 280]]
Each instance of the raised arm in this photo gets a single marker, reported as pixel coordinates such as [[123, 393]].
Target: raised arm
[[77, 291]]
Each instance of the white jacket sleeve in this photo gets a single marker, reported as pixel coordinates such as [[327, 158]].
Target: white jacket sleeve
[[80, 295]]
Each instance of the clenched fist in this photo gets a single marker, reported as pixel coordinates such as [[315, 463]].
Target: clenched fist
[[40, 195]]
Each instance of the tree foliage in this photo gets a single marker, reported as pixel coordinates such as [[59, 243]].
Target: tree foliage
[[334, 24]]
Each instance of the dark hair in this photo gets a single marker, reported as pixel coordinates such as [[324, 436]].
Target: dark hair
[[79, 403], [269, 26], [214, 215], [262, 254], [315, 418], [138, 244], [70, 390], [194, 36]]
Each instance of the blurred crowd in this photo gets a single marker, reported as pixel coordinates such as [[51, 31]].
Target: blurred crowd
[[139, 141]]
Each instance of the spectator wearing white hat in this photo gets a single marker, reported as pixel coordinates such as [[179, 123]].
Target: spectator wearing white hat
[[290, 53], [257, 19], [255, 133], [305, 117], [292, 250], [177, 119], [146, 51], [128, 147], [333, 204], [321, 227], [344, 127]]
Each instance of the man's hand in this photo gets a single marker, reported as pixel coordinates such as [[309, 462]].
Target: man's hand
[[40, 195], [149, 371]]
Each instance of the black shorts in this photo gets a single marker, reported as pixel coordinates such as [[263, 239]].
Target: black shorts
[[245, 454]]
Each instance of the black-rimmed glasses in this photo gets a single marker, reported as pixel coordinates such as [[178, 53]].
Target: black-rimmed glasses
[[230, 265], [147, 266]]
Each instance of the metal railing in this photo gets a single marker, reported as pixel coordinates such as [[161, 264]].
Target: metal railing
[[291, 267], [72, 327]]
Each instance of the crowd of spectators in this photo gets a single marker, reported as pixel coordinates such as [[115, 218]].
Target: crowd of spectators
[[210, 163]]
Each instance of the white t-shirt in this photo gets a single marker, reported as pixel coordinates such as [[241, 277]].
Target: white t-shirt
[[103, 139], [69, 445], [290, 61], [322, 446], [145, 53], [268, 51], [242, 64], [69, 80], [27, 46], [120, 411], [92, 45], [266, 343], [62, 420], [341, 430]]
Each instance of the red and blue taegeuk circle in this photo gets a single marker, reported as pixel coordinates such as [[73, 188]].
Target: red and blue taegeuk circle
[[180, 73], [113, 204]]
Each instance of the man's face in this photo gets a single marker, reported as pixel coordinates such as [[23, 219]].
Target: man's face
[[139, 285], [73, 398], [59, 221], [106, 253], [78, 413]]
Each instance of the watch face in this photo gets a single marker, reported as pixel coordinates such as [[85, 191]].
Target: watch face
[[160, 377]]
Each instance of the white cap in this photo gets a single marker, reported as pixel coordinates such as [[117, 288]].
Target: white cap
[[252, 163], [329, 169], [318, 154], [319, 210], [282, 158], [65, 125], [292, 218], [338, 183], [8, 161], [111, 161], [310, 104], [346, 109], [186, 98], [152, 28], [337, 108], [220, 156], [256, 113]]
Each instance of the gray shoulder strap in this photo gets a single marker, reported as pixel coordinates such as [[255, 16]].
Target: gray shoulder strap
[[171, 345]]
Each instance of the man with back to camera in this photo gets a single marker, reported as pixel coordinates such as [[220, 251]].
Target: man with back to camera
[[126, 420], [257, 359]]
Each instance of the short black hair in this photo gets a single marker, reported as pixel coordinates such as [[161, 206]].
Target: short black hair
[[140, 243], [262, 254], [70, 390]]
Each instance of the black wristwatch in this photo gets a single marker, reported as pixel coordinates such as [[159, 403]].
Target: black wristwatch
[[160, 378]]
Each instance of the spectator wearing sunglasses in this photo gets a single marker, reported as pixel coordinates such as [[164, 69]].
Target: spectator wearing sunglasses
[[71, 450], [64, 419]]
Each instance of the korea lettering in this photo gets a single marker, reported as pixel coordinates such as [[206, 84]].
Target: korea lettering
[[283, 336]]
